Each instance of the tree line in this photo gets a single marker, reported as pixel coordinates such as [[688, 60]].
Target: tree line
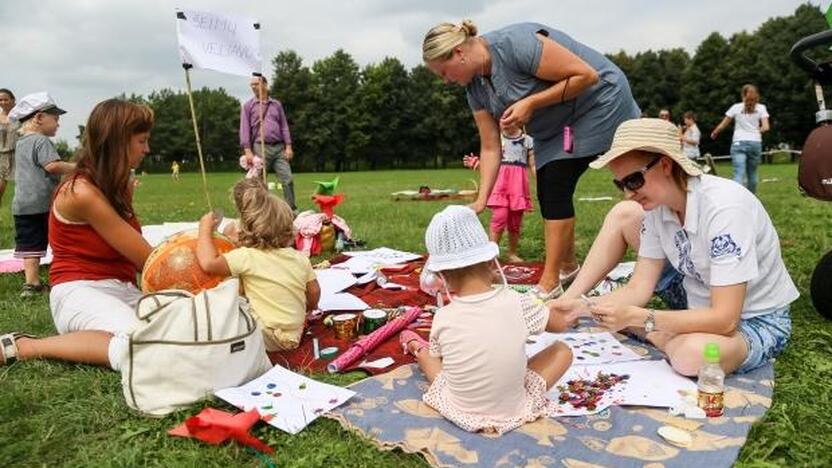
[[345, 117]]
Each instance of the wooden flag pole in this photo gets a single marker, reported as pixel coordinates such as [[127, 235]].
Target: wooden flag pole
[[263, 138], [196, 134]]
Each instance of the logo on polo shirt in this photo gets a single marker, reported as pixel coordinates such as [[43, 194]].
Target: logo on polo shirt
[[686, 265], [723, 245]]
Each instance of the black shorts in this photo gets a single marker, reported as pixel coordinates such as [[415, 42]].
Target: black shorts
[[31, 235], [556, 183]]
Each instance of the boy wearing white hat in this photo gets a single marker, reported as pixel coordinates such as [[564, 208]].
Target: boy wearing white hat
[[475, 361], [37, 172], [717, 237]]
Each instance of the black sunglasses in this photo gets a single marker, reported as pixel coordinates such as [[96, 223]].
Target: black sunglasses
[[635, 181]]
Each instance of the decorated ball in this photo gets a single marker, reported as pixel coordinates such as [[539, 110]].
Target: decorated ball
[[173, 264]]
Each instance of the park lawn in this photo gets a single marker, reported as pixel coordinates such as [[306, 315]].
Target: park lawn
[[62, 414]]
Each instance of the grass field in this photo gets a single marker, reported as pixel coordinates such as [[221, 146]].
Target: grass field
[[71, 415]]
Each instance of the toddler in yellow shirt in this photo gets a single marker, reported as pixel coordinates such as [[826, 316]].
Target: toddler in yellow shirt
[[277, 279]]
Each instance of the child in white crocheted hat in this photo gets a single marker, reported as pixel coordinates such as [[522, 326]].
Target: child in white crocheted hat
[[480, 378]]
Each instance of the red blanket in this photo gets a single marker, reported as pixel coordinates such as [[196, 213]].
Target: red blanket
[[302, 359]]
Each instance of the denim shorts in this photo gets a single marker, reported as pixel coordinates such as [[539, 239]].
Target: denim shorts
[[670, 288], [765, 335]]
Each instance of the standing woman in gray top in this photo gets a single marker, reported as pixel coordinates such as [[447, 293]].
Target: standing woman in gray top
[[569, 97]]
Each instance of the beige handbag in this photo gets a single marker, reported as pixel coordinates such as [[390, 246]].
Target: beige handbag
[[188, 346]]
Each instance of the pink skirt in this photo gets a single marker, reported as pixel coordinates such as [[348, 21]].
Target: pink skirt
[[511, 190], [537, 405]]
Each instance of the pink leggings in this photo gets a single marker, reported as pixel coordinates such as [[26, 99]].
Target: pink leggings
[[502, 218]]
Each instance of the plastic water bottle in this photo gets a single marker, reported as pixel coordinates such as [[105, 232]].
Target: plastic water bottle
[[711, 384]]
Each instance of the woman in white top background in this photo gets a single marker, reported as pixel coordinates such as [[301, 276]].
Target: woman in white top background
[[750, 122]]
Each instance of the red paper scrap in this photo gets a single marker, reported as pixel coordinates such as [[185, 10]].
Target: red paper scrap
[[215, 427]]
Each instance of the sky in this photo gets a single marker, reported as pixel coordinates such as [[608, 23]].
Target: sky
[[85, 51]]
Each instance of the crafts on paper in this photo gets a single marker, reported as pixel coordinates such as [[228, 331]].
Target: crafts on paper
[[286, 400], [587, 348], [585, 390]]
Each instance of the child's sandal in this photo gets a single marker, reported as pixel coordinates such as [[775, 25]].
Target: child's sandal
[[8, 347], [406, 337]]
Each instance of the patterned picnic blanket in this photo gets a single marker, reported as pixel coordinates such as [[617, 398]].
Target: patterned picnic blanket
[[389, 411]]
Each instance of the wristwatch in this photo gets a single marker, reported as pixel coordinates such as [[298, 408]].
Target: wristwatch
[[650, 321]]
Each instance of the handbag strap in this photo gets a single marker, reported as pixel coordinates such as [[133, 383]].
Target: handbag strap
[[159, 305]]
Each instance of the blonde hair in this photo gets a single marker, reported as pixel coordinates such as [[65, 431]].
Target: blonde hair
[[441, 40], [745, 90], [265, 219], [32, 124]]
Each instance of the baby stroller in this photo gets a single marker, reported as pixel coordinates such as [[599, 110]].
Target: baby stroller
[[815, 170]]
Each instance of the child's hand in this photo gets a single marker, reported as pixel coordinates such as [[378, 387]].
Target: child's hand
[[471, 161], [208, 221], [569, 309]]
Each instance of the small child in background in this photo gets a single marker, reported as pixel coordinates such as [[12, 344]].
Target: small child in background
[[174, 170], [37, 172], [278, 280], [510, 197], [480, 378]]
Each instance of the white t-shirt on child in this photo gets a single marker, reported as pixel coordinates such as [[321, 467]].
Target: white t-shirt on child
[[516, 149], [483, 349], [747, 126]]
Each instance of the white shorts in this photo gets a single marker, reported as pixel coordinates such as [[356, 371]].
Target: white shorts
[[107, 305]]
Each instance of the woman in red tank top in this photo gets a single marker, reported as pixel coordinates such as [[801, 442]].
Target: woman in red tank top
[[97, 244]]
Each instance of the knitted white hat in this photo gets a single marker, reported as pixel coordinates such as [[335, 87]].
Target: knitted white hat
[[456, 239]]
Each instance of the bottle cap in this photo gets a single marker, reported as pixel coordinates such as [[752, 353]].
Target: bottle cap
[[712, 353]]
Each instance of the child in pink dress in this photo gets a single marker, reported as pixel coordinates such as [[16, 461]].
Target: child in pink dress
[[510, 197], [480, 378]]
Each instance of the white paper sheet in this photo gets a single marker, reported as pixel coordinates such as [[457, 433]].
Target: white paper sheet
[[286, 400], [334, 281], [652, 383], [341, 301], [223, 42], [587, 348], [378, 363], [385, 255], [359, 265]]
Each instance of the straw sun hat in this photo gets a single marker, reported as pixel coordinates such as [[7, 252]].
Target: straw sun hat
[[651, 135], [456, 239]]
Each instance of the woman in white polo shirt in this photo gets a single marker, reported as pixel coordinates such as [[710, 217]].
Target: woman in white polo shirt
[[750, 122], [714, 233]]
